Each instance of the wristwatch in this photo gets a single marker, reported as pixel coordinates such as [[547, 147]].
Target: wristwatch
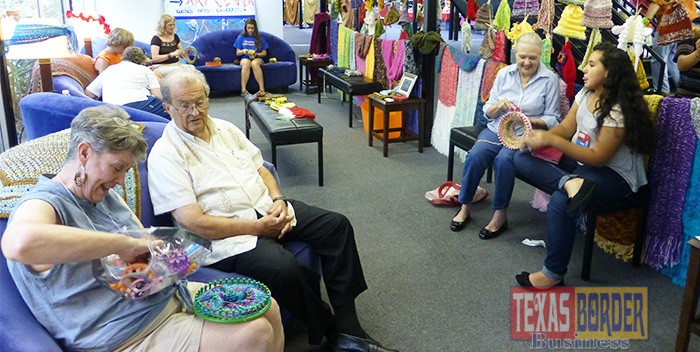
[[280, 198]]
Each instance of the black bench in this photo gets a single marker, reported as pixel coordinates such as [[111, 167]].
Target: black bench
[[351, 85], [281, 132]]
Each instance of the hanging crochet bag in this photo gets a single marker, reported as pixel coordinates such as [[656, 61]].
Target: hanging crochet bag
[[499, 46], [674, 26]]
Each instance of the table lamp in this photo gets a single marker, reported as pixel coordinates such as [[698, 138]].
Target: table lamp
[[42, 42]]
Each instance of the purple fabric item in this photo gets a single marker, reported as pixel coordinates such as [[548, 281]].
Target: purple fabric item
[[320, 35], [669, 177], [335, 29], [393, 60]]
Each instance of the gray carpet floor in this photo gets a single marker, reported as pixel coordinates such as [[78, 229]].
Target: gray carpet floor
[[431, 289]]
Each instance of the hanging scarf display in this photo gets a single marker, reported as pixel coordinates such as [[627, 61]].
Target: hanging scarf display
[[413, 62], [310, 9], [487, 44], [522, 8], [334, 40], [547, 51], [347, 14], [502, 19], [466, 37], [447, 96], [490, 72], [467, 94], [394, 54], [592, 42], [360, 53], [545, 16], [484, 16], [674, 26], [566, 67], [675, 146], [369, 61]]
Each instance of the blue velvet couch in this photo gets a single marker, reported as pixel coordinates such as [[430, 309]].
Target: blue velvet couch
[[227, 77], [45, 113]]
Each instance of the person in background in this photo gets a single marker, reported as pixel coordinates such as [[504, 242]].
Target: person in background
[[251, 49], [688, 59], [69, 220], [603, 138], [534, 89], [117, 40], [211, 179], [668, 53], [129, 83], [165, 45]]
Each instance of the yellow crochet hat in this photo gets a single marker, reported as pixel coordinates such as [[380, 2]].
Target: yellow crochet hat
[[519, 29], [570, 23]]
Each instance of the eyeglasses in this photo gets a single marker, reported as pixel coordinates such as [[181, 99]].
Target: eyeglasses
[[199, 105]]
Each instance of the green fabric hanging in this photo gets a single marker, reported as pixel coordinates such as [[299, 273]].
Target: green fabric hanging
[[502, 18], [546, 57], [594, 40]]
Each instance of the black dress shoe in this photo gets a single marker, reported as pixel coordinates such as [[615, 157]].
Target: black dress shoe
[[459, 225], [349, 343], [485, 234], [579, 202], [523, 280]]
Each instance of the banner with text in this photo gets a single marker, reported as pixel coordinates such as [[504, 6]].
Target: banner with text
[[210, 8], [579, 317]]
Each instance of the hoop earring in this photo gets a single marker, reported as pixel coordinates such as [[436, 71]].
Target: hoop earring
[[80, 177]]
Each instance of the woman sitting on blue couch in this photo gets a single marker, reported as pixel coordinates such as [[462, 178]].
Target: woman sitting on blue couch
[[251, 49]]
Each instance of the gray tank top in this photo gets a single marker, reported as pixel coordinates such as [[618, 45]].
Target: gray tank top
[[626, 163], [79, 312]]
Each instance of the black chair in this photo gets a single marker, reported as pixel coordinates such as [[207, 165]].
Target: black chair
[[464, 138], [638, 200]]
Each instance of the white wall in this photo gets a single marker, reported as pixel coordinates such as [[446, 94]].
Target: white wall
[[140, 17]]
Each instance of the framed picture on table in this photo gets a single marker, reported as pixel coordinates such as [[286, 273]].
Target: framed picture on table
[[406, 84]]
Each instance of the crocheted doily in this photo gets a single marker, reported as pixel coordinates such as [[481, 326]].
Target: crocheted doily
[[506, 129], [232, 300]]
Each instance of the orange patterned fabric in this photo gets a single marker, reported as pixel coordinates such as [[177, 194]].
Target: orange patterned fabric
[[79, 67], [449, 73], [492, 68]]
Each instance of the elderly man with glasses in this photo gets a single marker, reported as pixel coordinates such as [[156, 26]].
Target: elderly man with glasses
[[211, 178]]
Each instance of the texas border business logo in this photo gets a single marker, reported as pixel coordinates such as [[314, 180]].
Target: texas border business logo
[[579, 317]]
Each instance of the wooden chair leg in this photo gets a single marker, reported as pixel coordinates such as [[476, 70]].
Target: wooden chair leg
[[589, 237], [320, 163]]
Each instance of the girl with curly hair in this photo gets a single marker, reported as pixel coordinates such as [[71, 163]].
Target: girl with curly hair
[[603, 138]]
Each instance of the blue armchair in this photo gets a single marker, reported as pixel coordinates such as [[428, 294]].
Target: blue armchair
[[227, 77], [45, 113]]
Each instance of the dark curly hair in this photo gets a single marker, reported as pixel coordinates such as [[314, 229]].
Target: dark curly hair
[[256, 34], [621, 87]]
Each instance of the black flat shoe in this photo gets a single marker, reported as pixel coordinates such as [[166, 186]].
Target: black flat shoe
[[485, 234], [345, 342], [579, 202], [523, 280], [459, 225]]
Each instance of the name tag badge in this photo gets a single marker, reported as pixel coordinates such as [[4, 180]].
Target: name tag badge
[[583, 139]]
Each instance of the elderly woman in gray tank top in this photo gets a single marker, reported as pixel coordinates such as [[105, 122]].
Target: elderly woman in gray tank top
[[68, 220], [603, 138]]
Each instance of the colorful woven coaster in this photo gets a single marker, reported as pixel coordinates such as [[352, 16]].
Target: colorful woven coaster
[[232, 300]]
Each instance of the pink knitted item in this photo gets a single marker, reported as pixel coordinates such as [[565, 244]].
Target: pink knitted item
[[597, 14], [449, 72], [394, 69]]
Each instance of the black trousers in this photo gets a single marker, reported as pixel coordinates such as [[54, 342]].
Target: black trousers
[[295, 286]]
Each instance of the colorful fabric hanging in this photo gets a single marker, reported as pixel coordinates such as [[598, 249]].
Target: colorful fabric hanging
[[570, 23], [487, 44], [674, 26], [310, 9], [472, 9], [484, 16], [547, 50], [545, 16], [592, 42], [502, 19], [394, 54], [675, 148], [566, 67], [597, 14], [522, 8], [291, 12]]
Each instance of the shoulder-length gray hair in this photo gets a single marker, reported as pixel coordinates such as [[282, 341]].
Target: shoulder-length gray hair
[[107, 129]]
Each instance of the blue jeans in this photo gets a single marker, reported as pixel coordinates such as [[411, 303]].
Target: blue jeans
[[488, 149], [671, 72], [561, 228], [152, 105]]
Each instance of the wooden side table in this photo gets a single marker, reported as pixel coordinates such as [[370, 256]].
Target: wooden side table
[[308, 72], [404, 107], [689, 323]]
